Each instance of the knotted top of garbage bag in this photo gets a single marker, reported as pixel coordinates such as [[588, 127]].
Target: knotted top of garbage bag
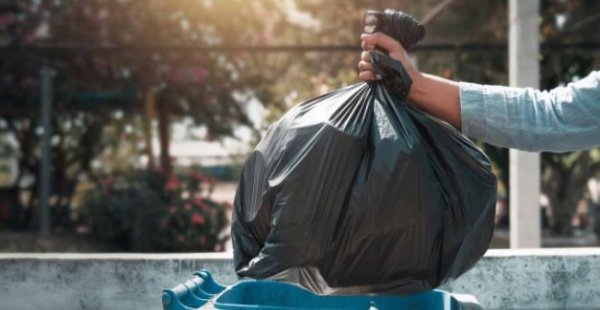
[[403, 28], [396, 24]]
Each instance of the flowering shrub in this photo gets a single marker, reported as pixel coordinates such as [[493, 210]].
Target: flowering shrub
[[155, 211]]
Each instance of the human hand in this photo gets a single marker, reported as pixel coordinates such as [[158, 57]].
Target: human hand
[[394, 49]]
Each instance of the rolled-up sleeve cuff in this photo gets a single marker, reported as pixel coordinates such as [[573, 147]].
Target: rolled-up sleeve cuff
[[472, 110]]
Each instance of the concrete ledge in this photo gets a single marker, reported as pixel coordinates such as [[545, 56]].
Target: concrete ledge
[[503, 279], [534, 279]]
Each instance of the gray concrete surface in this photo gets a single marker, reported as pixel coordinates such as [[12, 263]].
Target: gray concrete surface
[[503, 279], [534, 279]]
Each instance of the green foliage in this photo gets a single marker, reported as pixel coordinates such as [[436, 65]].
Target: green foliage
[[99, 95], [152, 211], [565, 176]]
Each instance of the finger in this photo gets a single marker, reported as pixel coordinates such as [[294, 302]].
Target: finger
[[381, 40], [366, 46], [365, 56], [364, 66], [366, 76]]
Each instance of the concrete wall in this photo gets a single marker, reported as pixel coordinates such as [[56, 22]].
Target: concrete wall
[[503, 279]]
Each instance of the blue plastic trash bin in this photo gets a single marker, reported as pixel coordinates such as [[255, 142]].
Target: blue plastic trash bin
[[204, 293]]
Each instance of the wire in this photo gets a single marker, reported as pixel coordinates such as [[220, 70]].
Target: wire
[[435, 11], [78, 48]]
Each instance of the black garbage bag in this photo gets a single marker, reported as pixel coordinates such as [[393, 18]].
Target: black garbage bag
[[357, 191]]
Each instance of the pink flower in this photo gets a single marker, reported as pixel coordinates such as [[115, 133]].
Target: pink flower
[[211, 180], [197, 219], [187, 206], [199, 202], [197, 176], [172, 184], [202, 178]]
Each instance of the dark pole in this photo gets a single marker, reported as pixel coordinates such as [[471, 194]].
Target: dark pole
[[46, 77], [164, 133]]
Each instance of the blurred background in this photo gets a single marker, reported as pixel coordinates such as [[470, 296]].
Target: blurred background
[[124, 123]]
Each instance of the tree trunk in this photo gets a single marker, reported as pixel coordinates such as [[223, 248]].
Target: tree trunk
[[164, 135], [149, 113]]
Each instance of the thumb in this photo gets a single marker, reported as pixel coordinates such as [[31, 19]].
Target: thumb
[[382, 40]]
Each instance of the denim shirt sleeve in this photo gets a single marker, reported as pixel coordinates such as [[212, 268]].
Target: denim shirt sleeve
[[562, 119]]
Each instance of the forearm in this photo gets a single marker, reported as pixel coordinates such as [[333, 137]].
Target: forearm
[[437, 96], [564, 119]]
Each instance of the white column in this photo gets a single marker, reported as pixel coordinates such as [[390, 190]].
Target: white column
[[525, 224]]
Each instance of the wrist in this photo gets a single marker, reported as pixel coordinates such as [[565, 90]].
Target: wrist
[[416, 88]]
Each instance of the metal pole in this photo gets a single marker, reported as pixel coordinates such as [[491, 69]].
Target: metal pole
[[46, 77], [525, 225]]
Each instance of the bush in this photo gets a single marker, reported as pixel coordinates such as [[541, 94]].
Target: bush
[[154, 211]]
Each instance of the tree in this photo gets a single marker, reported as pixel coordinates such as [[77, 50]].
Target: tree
[[565, 176], [98, 95]]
